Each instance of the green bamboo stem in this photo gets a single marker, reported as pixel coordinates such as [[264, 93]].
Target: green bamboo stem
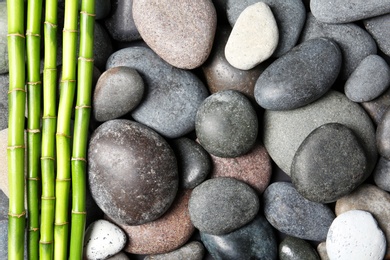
[[80, 136], [63, 135], [49, 120], [16, 118]]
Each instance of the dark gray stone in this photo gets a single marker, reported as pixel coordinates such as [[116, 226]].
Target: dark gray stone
[[382, 174], [172, 96], [299, 77], [221, 205], [226, 124], [191, 251], [3, 205], [102, 9], [369, 80], [377, 107], [378, 27], [329, 164], [193, 161], [292, 214], [4, 83], [348, 10], [4, 239], [289, 14], [256, 240], [3, 38], [102, 46], [132, 172], [293, 248], [355, 43], [383, 135]]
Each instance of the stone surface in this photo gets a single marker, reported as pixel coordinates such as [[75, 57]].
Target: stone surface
[[191, 251], [4, 239], [289, 15], [4, 83], [372, 199], [355, 235], [292, 214], [221, 205], [102, 240], [377, 107], [254, 168], [328, 164], [381, 174], [118, 91], [102, 9], [256, 240], [355, 43], [167, 233], [3, 205], [299, 77], [119, 256], [293, 248], [321, 250], [226, 124], [369, 80], [348, 10], [181, 33], [172, 96], [102, 46], [254, 37], [284, 131], [132, 172], [378, 28], [383, 134], [193, 161], [3, 38]]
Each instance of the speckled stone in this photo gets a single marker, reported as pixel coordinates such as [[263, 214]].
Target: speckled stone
[[372, 199], [3, 205], [284, 131], [4, 239], [377, 107], [3, 38], [181, 33], [172, 96], [132, 172], [348, 10], [193, 161], [293, 248], [292, 214], [381, 174], [118, 91], [221, 205], [355, 235], [378, 27], [316, 66], [355, 43], [165, 234], [321, 250], [256, 240], [119, 256], [4, 83], [226, 124], [383, 134], [191, 251], [369, 80], [254, 168]]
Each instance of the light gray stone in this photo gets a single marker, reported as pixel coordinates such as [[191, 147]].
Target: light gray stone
[[382, 174], [3, 38], [378, 27], [192, 251]]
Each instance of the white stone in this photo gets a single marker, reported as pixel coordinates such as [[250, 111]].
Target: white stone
[[356, 235], [254, 37], [102, 240]]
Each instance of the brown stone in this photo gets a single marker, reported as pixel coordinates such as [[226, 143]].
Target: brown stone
[[377, 107]]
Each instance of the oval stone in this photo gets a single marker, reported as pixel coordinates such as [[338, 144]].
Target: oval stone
[[191, 251], [3, 38], [180, 32], [226, 124], [172, 96], [329, 164], [299, 77], [256, 240], [293, 248], [284, 131], [382, 174], [221, 205], [378, 28], [132, 172], [383, 135], [292, 214]]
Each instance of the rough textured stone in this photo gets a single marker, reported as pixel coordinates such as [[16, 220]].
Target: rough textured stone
[[377, 107], [382, 174], [4, 239], [132, 172], [284, 131], [191, 251], [3, 205], [118, 91], [4, 83], [181, 33], [378, 27], [369, 80], [226, 124], [383, 134], [172, 96], [3, 38], [293, 248], [254, 37], [355, 43], [292, 214], [316, 64], [355, 235], [221, 205]]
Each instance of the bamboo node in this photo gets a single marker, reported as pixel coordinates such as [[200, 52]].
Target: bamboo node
[[50, 69], [34, 83], [64, 179], [82, 106], [33, 229], [86, 13], [29, 33], [16, 35], [86, 59], [16, 147], [48, 198], [70, 30], [64, 135], [51, 24], [61, 224], [48, 158], [45, 242], [79, 212], [33, 131], [48, 117], [79, 159], [17, 215], [33, 179], [67, 80], [16, 89]]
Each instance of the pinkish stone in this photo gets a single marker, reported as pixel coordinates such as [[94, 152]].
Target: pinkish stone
[[253, 168]]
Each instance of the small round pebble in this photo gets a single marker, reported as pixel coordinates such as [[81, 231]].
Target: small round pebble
[[102, 240], [382, 174], [293, 248], [191, 251], [355, 235]]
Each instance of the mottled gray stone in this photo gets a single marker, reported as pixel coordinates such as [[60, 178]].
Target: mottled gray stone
[[299, 77], [4, 239], [3, 205], [4, 86], [221, 205], [321, 250], [293, 248], [3, 38], [348, 10], [377, 107], [378, 27], [256, 240], [382, 174], [369, 80], [292, 214], [192, 251], [355, 43], [226, 124], [172, 96], [383, 135], [119, 256]]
